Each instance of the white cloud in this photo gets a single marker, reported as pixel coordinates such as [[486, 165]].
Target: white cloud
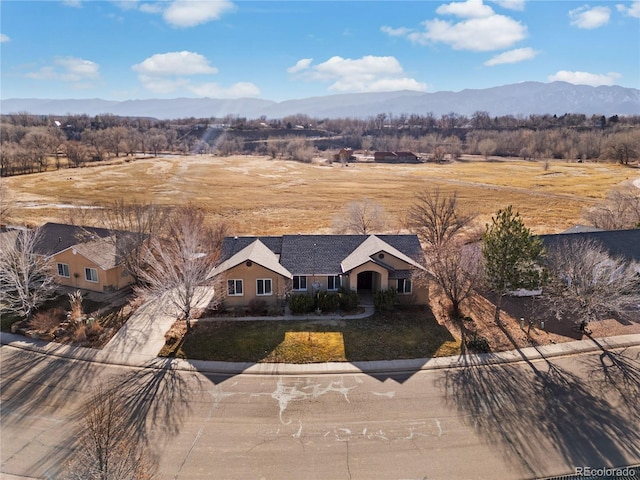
[[494, 32], [189, 13], [165, 73], [126, 4], [468, 9], [366, 74], [584, 78], [589, 18], [632, 11], [511, 4], [175, 63], [151, 8], [4, 38], [395, 32], [512, 56], [300, 65], [68, 69]]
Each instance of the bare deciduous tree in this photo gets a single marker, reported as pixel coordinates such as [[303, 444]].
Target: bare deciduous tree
[[133, 224], [455, 268], [587, 283], [435, 217], [621, 210], [363, 217], [179, 264], [107, 446], [26, 279]]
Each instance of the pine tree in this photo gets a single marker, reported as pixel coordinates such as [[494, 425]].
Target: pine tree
[[512, 256]]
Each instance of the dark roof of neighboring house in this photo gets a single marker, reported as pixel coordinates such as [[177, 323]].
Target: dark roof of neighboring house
[[319, 254], [94, 241], [56, 237], [623, 243]]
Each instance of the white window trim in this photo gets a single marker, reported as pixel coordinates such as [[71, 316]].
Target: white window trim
[[263, 285], [86, 277], [60, 264], [410, 286], [306, 283], [235, 287], [337, 281]]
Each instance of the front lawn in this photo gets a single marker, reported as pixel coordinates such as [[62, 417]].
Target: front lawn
[[403, 334]]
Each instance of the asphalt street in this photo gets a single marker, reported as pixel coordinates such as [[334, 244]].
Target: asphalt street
[[520, 420]]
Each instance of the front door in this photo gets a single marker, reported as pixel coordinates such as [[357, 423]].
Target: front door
[[365, 282]]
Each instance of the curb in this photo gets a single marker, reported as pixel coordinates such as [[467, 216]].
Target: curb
[[336, 368]]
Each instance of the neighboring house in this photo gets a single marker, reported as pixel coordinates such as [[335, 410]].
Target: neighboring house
[[84, 257], [395, 157], [345, 155], [619, 243], [268, 268]]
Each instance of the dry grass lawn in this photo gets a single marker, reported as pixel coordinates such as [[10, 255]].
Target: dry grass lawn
[[258, 195]]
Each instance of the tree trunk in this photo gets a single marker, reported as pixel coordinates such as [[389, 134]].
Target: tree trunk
[[498, 307]]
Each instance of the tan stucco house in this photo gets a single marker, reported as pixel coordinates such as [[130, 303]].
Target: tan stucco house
[[268, 268], [83, 257]]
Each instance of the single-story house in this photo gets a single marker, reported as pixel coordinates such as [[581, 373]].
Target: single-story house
[[619, 243], [84, 257], [269, 268], [345, 155], [395, 157]]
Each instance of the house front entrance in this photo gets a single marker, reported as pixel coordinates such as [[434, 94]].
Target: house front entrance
[[368, 282]]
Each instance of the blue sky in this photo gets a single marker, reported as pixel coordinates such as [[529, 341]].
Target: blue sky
[[120, 50]]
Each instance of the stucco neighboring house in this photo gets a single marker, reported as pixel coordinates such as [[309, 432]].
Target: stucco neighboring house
[[84, 257], [268, 268]]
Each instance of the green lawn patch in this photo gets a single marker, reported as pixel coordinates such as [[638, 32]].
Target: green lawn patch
[[401, 334]]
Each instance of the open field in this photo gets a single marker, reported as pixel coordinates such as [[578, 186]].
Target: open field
[[258, 195]]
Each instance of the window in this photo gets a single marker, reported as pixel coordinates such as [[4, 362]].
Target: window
[[234, 287], [63, 270], [334, 282], [404, 286], [263, 286], [91, 275], [299, 282]]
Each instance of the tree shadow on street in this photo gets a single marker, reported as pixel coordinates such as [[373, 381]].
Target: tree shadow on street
[[617, 373], [155, 401], [538, 410]]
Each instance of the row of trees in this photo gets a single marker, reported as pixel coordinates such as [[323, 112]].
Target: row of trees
[[38, 144]]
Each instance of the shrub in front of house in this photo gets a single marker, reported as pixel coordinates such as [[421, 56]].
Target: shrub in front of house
[[257, 306], [327, 301], [347, 300], [385, 300], [301, 303]]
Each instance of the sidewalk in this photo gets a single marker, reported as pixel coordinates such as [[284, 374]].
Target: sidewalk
[[140, 359]]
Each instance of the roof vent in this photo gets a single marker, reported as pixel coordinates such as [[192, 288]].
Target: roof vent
[[381, 256], [249, 263]]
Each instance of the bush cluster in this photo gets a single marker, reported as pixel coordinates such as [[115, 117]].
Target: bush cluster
[[344, 300], [385, 300], [478, 344]]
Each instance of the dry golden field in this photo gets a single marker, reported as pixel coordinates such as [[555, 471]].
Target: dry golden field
[[258, 195]]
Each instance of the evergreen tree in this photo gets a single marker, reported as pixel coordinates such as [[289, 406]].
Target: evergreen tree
[[512, 256]]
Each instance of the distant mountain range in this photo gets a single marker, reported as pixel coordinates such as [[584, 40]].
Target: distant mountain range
[[525, 98]]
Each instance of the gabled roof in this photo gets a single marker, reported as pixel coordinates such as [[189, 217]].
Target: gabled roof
[[622, 243], [256, 252], [99, 245], [322, 254], [371, 247], [56, 237], [101, 251]]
